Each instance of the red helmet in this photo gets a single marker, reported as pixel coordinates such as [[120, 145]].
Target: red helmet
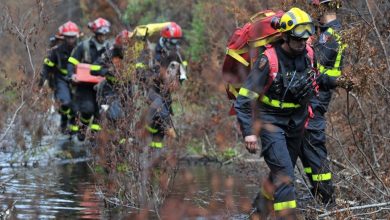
[[172, 30], [122, 37], [100, 26], [69, 29]]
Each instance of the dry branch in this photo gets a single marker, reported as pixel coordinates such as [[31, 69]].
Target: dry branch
[[376, 205]]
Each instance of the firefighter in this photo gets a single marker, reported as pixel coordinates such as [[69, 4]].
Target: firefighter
[[89, 51], [55, 65], [329, 52], [109, 98], [275, 98], [169, 67]]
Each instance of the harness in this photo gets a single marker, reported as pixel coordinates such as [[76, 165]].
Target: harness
[[273, 62]]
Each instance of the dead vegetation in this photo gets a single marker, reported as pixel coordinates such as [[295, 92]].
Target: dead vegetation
[[358, 122]]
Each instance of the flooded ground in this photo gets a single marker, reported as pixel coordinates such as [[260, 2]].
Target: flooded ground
[[63, 190]]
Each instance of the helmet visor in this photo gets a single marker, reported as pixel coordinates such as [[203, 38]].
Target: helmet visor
[[303, 30], [103, 30], [174, 41]]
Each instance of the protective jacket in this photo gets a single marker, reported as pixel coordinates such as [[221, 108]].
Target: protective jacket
[[87, 51], [330, 54], [282, 101], [56, 62]]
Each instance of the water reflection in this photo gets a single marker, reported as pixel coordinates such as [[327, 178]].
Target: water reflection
[[68, 192], [51, 192], [206, 192]]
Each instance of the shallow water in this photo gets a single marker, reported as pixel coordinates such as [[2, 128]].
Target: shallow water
[[67, 191]]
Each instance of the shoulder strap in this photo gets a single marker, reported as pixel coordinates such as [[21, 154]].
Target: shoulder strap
[[273, 62], [310, 54], [59, 61], [86, 51]]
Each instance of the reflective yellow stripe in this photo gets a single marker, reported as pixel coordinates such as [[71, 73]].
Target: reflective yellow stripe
[[334, 71], [248, 93], [236, 55], [110, 78], [330, 72], [65, 112], [64, 71], [151, 130], [262, 42], [122, 141], [48, 62], [95, 127], [269, 197], [140, 66], [308, 170], [95, 67], [233, 90], [74, 128], [185, 63], [279, 206], [156, 144], [73, 61], [84, 120], [322, 177], [278, 104]]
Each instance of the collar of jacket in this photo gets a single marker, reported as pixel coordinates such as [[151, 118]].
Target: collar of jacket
[[98, 45], [335, 24]]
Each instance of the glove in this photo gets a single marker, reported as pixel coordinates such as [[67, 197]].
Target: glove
[[303, 88]]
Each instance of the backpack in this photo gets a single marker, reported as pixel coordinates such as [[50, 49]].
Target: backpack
[[242, 49], [149, 31]]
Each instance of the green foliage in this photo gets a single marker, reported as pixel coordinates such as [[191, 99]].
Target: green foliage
[[230, 153], [140, 12], [122, 167], [194, 147], [99, 169], [197, 35]]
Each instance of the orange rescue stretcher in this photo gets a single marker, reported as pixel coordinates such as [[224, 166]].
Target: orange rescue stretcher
[[83, 74]]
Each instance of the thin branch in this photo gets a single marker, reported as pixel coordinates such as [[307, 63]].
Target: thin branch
[[354, 208], [358, 172], [367, 213], [361, 151], [376, 164], [13, 119], [379, 37], [7, 180]]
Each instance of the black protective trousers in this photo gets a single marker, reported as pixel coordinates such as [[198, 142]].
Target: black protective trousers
[[314, 157], [281, 139], [63, 94], [85, 100], [281, 148], [158, 117]]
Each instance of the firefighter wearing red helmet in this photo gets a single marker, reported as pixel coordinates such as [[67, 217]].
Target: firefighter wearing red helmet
[[88, 51], [55, 67], [169, 67], [330, 53]]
